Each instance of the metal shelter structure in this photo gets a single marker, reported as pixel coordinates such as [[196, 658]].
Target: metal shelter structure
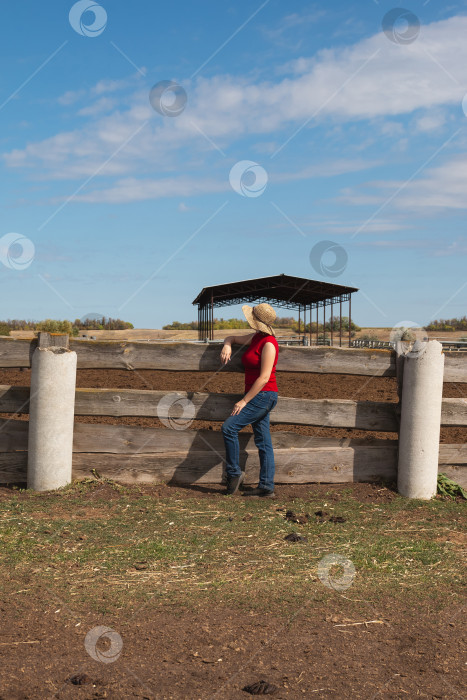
[[285, 291]]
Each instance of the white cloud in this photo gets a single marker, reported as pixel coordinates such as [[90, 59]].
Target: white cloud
[[105, 86], [104, 104], [286, 33], [440, 187], [329, 169], [374, 78], [396, 244], [430, 247], [392, 128], [135, 190], [70, 97], [375, 226], [430, 122]]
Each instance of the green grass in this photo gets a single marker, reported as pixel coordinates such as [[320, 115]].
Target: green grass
[[83, 543]]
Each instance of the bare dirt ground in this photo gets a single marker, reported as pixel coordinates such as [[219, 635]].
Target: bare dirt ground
[[214, 653], [201, 637], [397, 633]]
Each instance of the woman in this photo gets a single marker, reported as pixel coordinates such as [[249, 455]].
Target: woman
[[259, 361]]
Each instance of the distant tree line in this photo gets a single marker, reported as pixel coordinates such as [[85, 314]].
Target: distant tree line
[[221, 323], [50, 325], [450, 324], [284, 322], [334, 323]]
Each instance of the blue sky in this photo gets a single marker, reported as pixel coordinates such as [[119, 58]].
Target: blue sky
[[355, 135]]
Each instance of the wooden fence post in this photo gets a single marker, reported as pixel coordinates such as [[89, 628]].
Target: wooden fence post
[[420, 420], [51, 413]]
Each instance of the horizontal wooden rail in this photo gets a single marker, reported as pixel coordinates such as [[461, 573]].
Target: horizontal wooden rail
[[205, 357], [454, 412], [217, 407], [14, 399], [326, 464], [336, 413], [131, 454], [130, 439]]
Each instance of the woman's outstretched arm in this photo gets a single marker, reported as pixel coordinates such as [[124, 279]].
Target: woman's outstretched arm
[[226, 351]]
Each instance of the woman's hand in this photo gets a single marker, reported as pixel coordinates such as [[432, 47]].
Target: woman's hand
[[226, 353], [238, 407]]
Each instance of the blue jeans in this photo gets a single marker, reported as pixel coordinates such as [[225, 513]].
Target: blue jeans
[[255, 412]]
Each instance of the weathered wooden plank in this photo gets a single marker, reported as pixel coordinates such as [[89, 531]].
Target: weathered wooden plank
[[330, 465], [365, 415], [452, 454], [454, 412], [13, 435], [205, 357], [301, 465], [16, 353], [457, 474], [455, 367], [130, 439], [13, 467], [14, 399]]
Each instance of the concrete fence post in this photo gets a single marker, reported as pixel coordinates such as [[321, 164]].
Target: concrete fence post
[[51, 415], [420, 420]]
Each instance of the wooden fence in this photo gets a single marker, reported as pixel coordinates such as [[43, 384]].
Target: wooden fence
[[182, 455]]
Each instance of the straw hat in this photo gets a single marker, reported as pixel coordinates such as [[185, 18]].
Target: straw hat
[[260, 317]]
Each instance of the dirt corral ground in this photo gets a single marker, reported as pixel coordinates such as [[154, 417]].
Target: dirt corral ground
[[161, 592], [108, 591]]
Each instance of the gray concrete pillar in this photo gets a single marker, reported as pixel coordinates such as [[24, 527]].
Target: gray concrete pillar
[[422, 392], [51, 418]]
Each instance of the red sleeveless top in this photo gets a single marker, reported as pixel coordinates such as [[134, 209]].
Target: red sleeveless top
[[251, 360]]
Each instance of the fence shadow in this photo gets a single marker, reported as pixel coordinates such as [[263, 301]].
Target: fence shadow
[[206, 455]]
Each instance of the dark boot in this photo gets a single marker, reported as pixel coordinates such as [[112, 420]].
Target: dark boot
[[264, 493], [233, 484]]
